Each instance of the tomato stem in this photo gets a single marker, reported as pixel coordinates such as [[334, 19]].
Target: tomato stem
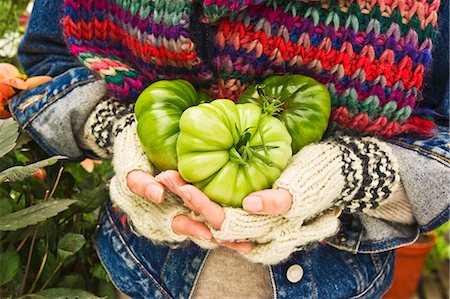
[[242, 152], [236, 157], [270, 105]]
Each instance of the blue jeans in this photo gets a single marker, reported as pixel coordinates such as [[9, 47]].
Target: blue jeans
[[142, 269]]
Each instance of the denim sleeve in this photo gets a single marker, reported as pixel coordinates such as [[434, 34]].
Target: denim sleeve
[[42, 50], [436, 85], [53, 113]]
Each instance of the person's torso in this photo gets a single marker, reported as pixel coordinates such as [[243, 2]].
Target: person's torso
[[371, 57]]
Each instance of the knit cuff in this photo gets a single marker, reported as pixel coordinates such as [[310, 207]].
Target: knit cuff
[[291, 237], [370, 171], [354, 174], [397, 208], [96, 134]]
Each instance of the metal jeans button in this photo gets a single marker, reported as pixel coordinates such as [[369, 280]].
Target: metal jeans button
[[295, 273]]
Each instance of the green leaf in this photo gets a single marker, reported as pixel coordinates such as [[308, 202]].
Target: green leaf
[[50, 272], [106, 289], [23, 139], [9, 131], [34, 214], [18, 173], [5, 206], [73, 280], [90, 199], [70, 244], [9, 265], [99, 272], [63, 293]]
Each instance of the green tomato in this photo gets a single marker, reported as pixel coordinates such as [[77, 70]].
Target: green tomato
[[300, 102], [229, 150], [158, 110]]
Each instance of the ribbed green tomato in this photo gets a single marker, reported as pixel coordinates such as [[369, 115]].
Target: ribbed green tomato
[[229, 150], [300, 102], [158, 110]]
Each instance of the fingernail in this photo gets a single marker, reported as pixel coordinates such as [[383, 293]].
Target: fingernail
[[253, 204], [154, 193], [185, 194]]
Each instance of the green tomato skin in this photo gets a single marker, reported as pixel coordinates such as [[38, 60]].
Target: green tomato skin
[[305, 110], [208, 157], [158, 110]]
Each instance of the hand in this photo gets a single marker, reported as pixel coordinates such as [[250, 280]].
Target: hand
[[152, 189], [273, 236]]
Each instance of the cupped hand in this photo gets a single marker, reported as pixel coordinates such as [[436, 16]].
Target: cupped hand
[[201, 205], [265, 202], [152, 189]]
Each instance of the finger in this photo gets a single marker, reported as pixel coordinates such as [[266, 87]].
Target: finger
[[170, 179], [145, 185], [268, 202], [183, 225], [243, 247], [202, 205]]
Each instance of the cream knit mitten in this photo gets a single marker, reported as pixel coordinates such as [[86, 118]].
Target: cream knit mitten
[[111, 129]]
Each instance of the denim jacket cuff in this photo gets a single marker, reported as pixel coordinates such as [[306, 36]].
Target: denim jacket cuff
[[52, 113]]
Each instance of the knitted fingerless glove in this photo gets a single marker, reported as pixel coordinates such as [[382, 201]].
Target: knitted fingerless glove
[[153, 221], [349, 174], [354, 174]]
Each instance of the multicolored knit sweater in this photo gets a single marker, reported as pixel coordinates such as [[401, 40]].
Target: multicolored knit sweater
[[372, 54]]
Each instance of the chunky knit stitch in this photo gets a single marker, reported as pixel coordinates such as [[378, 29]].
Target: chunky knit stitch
[[372, 55]]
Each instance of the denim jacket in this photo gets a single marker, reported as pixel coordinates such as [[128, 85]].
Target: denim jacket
[[357, 261]]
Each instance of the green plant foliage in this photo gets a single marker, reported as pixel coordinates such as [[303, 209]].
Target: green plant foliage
[[48, 224], [34, 214], [19, 173], [62, 293], [10, 10], [441, 249], [10, 29], [10, 265], [9, 132], [70, 244]]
